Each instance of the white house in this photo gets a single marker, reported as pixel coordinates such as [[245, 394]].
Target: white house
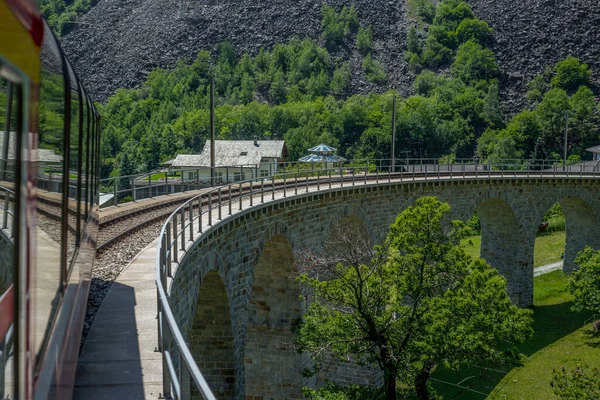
[[595, 151], [235, 160]]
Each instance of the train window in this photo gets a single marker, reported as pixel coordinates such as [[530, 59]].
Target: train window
[[10, 124], [73, 168], [50, 169], [83, 155]]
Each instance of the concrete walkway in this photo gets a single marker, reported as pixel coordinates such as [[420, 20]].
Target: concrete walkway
[[546, 269], [118, 360]]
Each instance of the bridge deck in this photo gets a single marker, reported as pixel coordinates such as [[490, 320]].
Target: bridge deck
[[118, 360]]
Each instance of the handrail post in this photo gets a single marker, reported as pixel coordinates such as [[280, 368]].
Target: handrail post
[[341, 176], [165, 245], [318, 180], [220, 205], [230, 199], [182, 211], [307, 175], [241, 196], [329, 171], [251, 194], [174, 246], [273, 187], [133, 189], [262, 191], [167, 182], [296, 183], [284, 185], [115, 191], [210, 208], [184, 379], [200, 214], [166, 376], [191, 221], [353, 174]]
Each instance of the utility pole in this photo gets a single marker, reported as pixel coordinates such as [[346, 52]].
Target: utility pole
[[394, 133], [566, 133], [212, 130]]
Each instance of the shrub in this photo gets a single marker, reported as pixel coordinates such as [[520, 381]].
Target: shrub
[[333, 28], [414, 62], [473, 29], [423, 9], [570, 73], [426, 81], [364, 40], [341, 80], [474, 62], [450, 13], [337, 26], [373, 70], [435, 53], [412, 42]]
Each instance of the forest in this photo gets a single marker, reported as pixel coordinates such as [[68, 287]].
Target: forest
[[299, 92]]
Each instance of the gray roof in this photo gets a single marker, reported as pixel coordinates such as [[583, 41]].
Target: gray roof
[[233, 153], [43, 155], [595, 149]]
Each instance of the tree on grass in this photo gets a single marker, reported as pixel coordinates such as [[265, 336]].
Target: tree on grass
[[579, 384], [584, 283], [408, 305]]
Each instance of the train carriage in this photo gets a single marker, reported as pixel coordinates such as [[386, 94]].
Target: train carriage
[[49, 147]]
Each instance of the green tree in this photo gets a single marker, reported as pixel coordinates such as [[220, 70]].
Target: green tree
[[410, 304], [570, 73], [474, 62], [341, 80], [473, 29], [579, 384], [412, 41], [373, 70], [584, 283], [364, 40]]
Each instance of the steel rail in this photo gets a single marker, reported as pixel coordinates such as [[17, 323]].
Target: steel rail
[[172, 245]]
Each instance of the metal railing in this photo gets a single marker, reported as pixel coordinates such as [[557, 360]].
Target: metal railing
[[187, 223], [167, 181]]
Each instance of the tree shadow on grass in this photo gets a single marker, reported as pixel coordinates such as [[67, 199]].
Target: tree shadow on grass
[[551, 323]]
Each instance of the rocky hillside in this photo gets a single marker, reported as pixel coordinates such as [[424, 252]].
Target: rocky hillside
[[533, 34], [119, 41]]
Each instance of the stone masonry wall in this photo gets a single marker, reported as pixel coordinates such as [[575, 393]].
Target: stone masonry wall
[[211, 338], [511, 211]]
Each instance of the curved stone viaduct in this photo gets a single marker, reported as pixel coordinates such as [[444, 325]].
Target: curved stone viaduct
[[234, 293]]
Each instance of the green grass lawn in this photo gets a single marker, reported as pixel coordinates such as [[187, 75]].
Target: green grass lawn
[[549, 247], [559, 340], [161, 175]]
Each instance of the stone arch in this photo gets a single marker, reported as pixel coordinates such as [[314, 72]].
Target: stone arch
[[211, 337], [353, 214], [272, 367], [582, 229], [581, 221], [505, 247]]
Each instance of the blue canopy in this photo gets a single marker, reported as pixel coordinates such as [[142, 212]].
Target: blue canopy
[[322, 149], [330, 158]]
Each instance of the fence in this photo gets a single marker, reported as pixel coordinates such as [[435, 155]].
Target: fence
[[170, 181]]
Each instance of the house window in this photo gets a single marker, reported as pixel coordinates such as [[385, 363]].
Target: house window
[[237, 176], [264, 173], [244, 153], [219, 176]]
